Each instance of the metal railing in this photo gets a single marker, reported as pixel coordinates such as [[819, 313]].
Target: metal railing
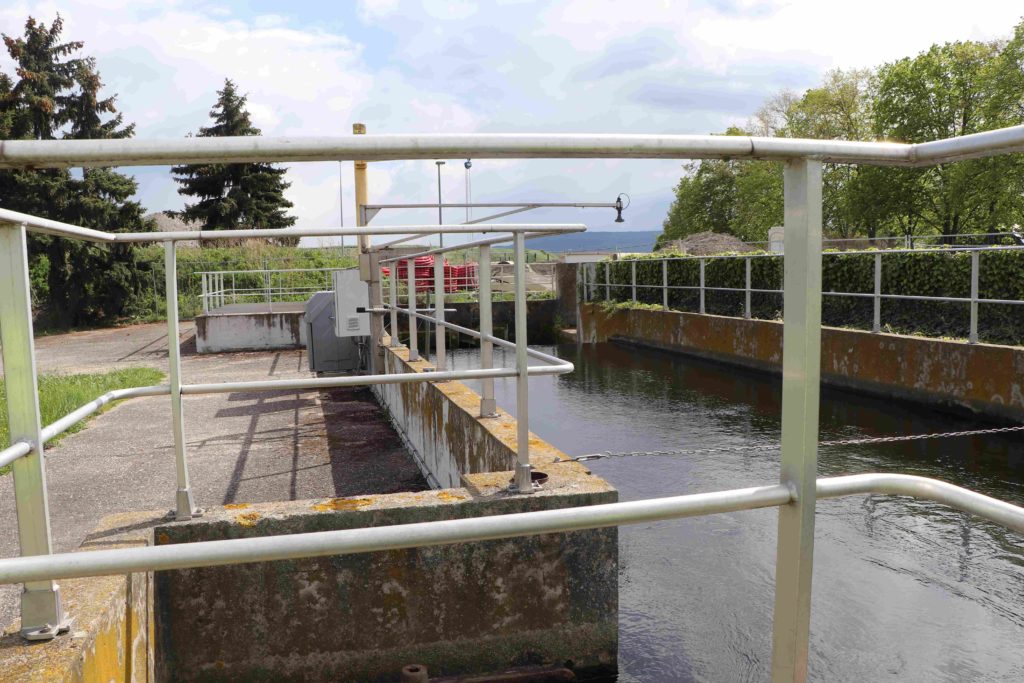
[[226, 287], [592, 281], [795, 495]]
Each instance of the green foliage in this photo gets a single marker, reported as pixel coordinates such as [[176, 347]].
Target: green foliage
[[61, 394], [56, 95], [949, 90], [931, 273], [234, 196]]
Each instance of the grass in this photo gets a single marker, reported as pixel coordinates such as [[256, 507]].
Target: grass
[[60, 394]]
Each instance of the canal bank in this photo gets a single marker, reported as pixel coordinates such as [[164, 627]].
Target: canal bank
[[982, 379]]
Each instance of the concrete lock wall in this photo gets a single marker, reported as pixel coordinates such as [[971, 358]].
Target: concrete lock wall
[[981, 379], [249, 331]]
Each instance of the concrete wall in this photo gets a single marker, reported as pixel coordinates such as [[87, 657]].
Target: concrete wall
[[565, 288], [220, 332], [541, 318], [976, 378], [112, 638]]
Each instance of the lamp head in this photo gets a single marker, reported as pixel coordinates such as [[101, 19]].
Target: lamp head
[[468, 164], [618, 210]]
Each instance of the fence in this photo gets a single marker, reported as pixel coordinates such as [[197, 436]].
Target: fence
[[795, 495], [597, 279], [229, 287]]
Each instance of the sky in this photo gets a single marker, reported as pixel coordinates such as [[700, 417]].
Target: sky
[[504, 66]]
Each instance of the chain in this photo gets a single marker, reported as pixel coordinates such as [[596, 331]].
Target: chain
[[775, 447]]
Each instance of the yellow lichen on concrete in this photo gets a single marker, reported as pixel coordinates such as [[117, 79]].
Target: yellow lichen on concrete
[[335, 504], [236, 506], [248, 518]]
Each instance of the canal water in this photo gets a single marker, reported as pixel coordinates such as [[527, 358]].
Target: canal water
[[903, 590]]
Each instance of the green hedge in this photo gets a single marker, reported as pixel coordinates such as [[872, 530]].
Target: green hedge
[[945, 274]]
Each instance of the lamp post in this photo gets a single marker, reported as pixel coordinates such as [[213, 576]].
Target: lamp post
[[440, 218]]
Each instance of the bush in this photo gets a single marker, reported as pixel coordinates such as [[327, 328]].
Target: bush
[[925, 273]]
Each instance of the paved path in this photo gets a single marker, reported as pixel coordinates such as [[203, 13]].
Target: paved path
[[242, 446]]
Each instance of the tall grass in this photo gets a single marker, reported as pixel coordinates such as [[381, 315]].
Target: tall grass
[[60, 394]]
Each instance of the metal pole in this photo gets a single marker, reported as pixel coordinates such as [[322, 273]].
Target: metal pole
[[414, 353], [801, 374], [184, 505], [359, 173], [206, 303], [702, 285], [523, 479], [877, 324], [746, 293], [607, 281], [441, 362], [42, 616], [664, 284], [488, 406], [632, 277], [440, 211], [975, 267], [393, 280]]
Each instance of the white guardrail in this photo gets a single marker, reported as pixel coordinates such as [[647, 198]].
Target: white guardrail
[[591, 281], [795, 494]]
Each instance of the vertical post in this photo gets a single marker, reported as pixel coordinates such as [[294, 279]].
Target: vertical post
[[876, 326], [702, 285], [523, 480], [581, 280], [373, 282], [234, 290], [664, 284], [746, 292], [975, 267], [488, 407], [393, 280], [206, 302], [801, 371], [266, 286], [607, 281], [632, 277], [42, 616], [441, 362], [184, 505], [414, 352]]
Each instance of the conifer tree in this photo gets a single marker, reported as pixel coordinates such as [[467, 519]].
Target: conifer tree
[[234, 196], [55, 94]]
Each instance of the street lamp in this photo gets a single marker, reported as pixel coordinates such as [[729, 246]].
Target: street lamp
[[440, 218]]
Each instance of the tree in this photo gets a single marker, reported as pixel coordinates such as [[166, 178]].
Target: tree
[[234, 196], [53, 95]]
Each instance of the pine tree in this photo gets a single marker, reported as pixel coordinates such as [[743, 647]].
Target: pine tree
[[55, 94], [234, 196]]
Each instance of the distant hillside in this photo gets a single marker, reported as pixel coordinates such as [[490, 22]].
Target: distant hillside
[[597, 241]]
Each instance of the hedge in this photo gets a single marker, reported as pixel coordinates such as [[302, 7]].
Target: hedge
[[925, 273]]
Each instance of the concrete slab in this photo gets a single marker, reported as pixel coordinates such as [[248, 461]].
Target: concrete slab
[[244, 447]]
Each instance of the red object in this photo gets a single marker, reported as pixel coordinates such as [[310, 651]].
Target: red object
[[456, 278]]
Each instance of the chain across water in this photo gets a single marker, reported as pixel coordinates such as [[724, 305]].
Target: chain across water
[[761, 447]]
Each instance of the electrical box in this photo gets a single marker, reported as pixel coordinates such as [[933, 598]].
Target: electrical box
[[350, 294]]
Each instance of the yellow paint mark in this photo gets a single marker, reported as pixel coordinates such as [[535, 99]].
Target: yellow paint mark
[[248, 518], [236, 506], [444, 495], [335, 504]]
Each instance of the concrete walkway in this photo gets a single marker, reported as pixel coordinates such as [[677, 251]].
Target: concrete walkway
[[242, 447]]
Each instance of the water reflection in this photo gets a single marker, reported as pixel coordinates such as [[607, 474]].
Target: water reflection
[[903, 589]]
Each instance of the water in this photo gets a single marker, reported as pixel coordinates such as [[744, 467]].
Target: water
[[903, 590]]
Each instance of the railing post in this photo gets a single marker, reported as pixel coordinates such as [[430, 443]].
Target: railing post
[[975, 267], [801, 373], [488, 406], [664, 284], [876, 326], [393, 291], [184, 505], [523, 480], [42, 616], [632, 277], [441, 362], [206, 303], [702, 285], [376, 319], [234, 290], [607, 281], [414, 352], [746, 298]]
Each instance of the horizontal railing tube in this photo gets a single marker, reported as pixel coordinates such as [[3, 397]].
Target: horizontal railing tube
[[382, 538], [75, 416], [16, 450]]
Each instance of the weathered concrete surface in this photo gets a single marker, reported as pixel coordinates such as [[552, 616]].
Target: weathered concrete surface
[[466, 608], [541, 318], [243, 447], [565, 288], [251, 327], [977, 378], [112, 635], [441, 425]]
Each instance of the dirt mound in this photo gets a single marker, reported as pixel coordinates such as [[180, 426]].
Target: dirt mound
[[707, 243]]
